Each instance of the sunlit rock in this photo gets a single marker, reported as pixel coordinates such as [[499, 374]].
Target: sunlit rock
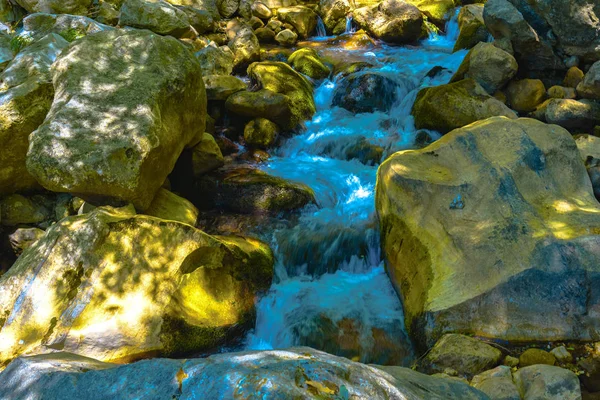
[[263, 104], [548, 383], [303, 19], [167, 205], [38, 25], [243, 43], [280, 78], [535, 356], [493, 230], [589, 87], [209, 6], [250, 191], [118, 286], [77, 7], [299, 372], [261, 10], [526, 94], [156, 15], [489, 66], [307, 61], [286, 38], [576, 115], [334, 14], [120, 118], [23, 238], [446, 107], [393, 21], [25, 98], [437, 11], [467, 356], [201, 20], [471, 26]]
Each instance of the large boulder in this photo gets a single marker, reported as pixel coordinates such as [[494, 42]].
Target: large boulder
[[279, 77], [245, 47], [493, 230], [334, 14], [76, 7], [436, 11], [127, 104], [294, 373], [303, 19], [25, 99], [533, 51], [447, 107], [573, 27], [487, 65], [215, 60], [102, 285], [471, 27], [393, 21], [155, 15]]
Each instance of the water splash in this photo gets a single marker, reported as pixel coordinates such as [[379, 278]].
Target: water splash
[[349, 24]]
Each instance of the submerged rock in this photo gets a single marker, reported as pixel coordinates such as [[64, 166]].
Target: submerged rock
[[118, 136], [299, 372], [364, 92], [103, 285], [446, 107], [501, 238], [250, 191], [393, 21]]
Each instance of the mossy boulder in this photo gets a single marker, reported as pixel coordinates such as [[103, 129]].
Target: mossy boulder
[[169, 206], [547, 382], [248, 190], [487, 65], [201, 20], [244, 45], [25, 99], [280, 78], [16, 209], [307, 61], [286, 38], [260, 133], [132, 286], [220, 87], [364, 92], [447, 107], [466, 355], [209, 6], [393, 21], [215, 60], [503, 225], [536, 356], [334, 14], [471, 27], [156, 15], [114, 137], [262, 104], [303, 19], [75, 7], [437, 11]]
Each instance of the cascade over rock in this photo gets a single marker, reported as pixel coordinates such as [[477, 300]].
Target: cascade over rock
[[493, 230], [120, 119]]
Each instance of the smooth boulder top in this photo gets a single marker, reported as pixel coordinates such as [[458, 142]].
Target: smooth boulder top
[[493, 230], [299, 372]]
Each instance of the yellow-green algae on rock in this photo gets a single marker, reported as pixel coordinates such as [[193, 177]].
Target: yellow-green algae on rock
[[493, 230], [114, 285]]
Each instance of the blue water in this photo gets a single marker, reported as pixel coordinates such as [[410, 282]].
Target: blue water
[[330, 263]]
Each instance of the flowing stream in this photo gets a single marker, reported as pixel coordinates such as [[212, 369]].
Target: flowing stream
[[329, 271]]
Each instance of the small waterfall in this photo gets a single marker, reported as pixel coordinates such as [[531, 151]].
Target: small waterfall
[[349, 27], [452, 30], [321, 31]]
